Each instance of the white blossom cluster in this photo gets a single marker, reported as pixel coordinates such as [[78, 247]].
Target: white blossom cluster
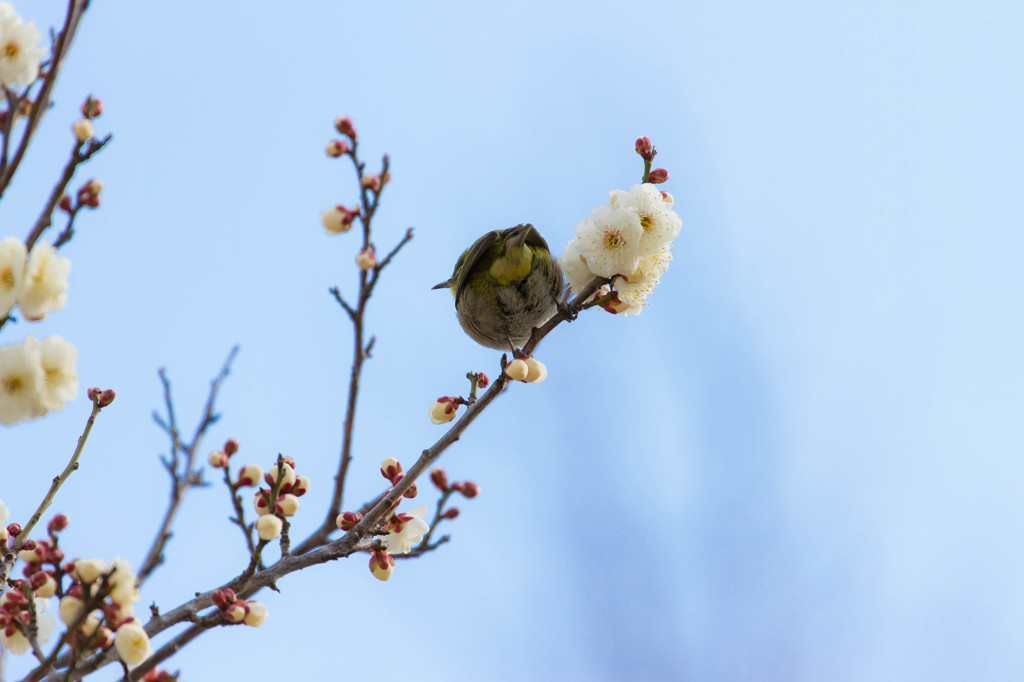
[[36, 377], [627, 239], [36, 282], [20, 49]]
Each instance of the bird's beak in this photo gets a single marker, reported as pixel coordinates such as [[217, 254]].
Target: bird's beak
[[443, 285]]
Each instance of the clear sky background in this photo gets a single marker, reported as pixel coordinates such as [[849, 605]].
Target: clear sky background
[[802, 462]]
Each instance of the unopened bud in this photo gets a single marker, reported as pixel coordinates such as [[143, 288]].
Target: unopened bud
[[92, 107], [14, 529], [301, 486], [94, 186], [538, 371], [58, 523], [70, 608], [669, 199], [657, 176], [644, 148], [262, 501], [230, 446], [442, 410], [90, 200], [450, 513], [390, 468], [382, 565], [287, 504], [346, 521], [338, 219], [44, 584], [372, 182], [468, 489], [224, 598], [343, 124], [366, 259], [439, 478], [336, 148], [235, 613], [218, 459], [87, 571], [103, 398], [517, 369], [25, 108], [410, 492], [64, 203], [250, 475], [102, 638], [276, 470], [481, 380], [257, 613], [269, 527], [83, 130]]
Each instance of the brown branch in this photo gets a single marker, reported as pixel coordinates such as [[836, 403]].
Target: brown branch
[[76, 8], [186, 477]]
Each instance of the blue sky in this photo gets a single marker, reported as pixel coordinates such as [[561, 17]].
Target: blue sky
[[801, 462]]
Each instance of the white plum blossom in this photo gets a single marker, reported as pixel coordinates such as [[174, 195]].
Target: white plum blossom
[[608, 240], [574, 267], [122, 581], [46, 282], [21, 383], [21, 49], [14, 641], [411, 533], [60, 381], [633, 289], [659, 222], [12, 272]]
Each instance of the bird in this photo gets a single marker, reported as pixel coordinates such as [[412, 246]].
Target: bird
[[505, 285]]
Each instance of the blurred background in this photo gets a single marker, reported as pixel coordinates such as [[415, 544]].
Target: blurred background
[[801, 462]]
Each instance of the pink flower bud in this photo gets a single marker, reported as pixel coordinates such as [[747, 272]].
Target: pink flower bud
[[336, 148], [90, 200], [450, 513], [657, 176], [346, 521], [65, 203], [94, 186], [371, 182], [644, 148], [224, 598], [92, 107], [439, 478], [230, 446], [58, 523], [410, 492], [481, 380], [468, 489], [43, 584], [343, 124], [14, 529], [382, 565], [106, 397]]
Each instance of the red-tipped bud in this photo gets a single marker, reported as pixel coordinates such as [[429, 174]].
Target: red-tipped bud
[[43, 584], [390, 468], [439, 478], [443, 410], [235, 613], [103, 637], [481, 380], [381, 564], [230, 446], [28, 546], [300, 487], [250, 475], [224, 597], [290, 461], [65, 203], [218, 459], [644, 148], [657, 176], [410, 492], [336, 148], [14, 529], [468, 489], [92, 107], [450, 513], [343, 124], [58, 523], [367, 258], [346, 521]]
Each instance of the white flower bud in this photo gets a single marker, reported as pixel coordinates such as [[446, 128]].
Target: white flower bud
[[70, 608], [517, 369], [538, 371], [269, 527], [257, 614], [83, 130], [288, 504], [132, 644], [88, 570]]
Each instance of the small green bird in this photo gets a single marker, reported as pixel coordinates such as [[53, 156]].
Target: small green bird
[[504, 285]]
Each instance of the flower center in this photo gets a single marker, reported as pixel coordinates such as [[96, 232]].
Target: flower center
[[613, 239], [11, 50]]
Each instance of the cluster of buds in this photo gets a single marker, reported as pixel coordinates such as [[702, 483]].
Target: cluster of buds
[[467, 489], [645, 148], [88, 196], [280, 499], [445, 408], [529, 370], [101, 397], [338, 219], [237, 610], [83, 127], [21, 615]]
